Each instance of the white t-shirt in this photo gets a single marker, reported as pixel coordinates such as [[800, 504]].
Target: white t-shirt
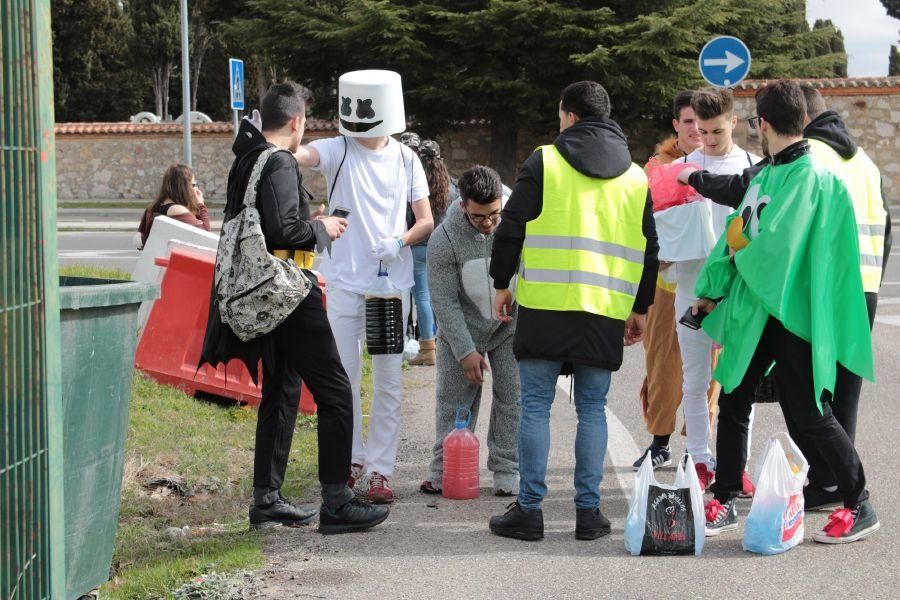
[[732, 163], [376, 186]]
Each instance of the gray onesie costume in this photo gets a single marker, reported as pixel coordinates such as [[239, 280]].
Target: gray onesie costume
[[462, 296]]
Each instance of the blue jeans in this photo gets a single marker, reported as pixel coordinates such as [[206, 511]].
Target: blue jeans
[[538, 380], [424, 314]]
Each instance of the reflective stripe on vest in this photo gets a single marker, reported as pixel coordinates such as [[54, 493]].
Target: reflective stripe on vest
[[585, 252], [863, 181]]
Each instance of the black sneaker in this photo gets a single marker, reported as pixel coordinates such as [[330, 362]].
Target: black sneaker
[[861, 518], [519, 524], [815, 498], [280, 512], [661, 456], [720, 517], [355, 515], [590, 524]]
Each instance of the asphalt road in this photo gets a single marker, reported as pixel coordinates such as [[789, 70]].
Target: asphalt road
[[434, 547]]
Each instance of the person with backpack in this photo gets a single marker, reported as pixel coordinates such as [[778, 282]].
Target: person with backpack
[[374, 177], [267, 220]]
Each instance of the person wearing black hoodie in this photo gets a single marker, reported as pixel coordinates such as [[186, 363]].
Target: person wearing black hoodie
[[831, 143], [301, 346], [581, 220]]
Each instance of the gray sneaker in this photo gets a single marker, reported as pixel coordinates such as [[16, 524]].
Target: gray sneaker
[[720, 517]]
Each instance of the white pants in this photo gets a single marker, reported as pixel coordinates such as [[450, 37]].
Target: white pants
[[696, 365], [696, 359], [347, 316]]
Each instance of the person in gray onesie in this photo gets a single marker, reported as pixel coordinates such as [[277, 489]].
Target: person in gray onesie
[[470, 340]]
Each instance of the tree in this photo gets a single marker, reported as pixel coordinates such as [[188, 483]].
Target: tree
[[893, 8], [507, 60], [92, 77], [157, 44], [894, 62], [833, 45]]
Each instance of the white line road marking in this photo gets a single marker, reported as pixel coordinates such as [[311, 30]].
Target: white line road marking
[[889, 320], [888, 301], [621, 446]]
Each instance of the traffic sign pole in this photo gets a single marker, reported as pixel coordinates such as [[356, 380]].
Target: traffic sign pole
[[185, 84]]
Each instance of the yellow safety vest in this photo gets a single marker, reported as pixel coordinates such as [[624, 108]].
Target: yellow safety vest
[[863, 181], [585, 252]]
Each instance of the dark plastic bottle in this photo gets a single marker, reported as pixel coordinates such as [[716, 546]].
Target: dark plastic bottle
[[384, 316]]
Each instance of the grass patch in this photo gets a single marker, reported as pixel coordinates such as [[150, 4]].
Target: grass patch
[[208, 448], [92, 271]]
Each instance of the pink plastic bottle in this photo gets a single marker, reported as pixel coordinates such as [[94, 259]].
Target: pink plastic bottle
[[461, 460]]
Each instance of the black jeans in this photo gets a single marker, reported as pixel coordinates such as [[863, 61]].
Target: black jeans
[[303, 347], [845, 406], [813, 432]]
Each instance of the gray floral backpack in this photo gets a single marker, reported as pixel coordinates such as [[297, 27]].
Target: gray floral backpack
[[256, 291]]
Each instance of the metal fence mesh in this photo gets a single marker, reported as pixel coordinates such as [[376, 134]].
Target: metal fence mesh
[[24, 497]]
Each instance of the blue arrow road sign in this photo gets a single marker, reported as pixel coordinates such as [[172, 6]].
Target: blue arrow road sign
[[725, 61], [236, 68]]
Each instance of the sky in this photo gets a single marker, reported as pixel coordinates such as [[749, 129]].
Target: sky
[[868, 32]]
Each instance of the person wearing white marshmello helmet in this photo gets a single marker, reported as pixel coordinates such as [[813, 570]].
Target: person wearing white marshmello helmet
[[373, 176]]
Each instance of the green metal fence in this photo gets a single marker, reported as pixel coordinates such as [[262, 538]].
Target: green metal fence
[[32, 563]]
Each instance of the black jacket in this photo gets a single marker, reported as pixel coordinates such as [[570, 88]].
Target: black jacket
[[828, 128], [596, 147], [283, 205]]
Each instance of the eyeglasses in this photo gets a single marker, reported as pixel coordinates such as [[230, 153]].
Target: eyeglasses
[[754, 121], [479, 219], [195, 184]]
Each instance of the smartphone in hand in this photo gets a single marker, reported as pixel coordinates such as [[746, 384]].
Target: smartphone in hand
[[340, 211], [692, 321]]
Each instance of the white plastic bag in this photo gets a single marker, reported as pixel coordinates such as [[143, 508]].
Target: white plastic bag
[[410, 349], [775, 522], [666, 519]]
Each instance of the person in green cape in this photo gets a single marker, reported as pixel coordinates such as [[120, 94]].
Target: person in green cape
[[782, 280]]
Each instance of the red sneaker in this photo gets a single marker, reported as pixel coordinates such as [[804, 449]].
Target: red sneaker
[[705, 475], [380, 491], [356, 473], [747, 488]]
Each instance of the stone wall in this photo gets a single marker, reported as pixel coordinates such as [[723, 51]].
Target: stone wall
[[97, 164], [108, 160], [872, 116]]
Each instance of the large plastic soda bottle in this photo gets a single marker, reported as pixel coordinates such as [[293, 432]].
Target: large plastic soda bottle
[[384, 315], [461, 460]]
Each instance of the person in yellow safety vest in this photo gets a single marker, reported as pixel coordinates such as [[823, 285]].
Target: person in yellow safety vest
[[831, 144], [580, 222]]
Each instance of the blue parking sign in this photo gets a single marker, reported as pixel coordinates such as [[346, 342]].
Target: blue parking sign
[[725, 61], [236, 83]]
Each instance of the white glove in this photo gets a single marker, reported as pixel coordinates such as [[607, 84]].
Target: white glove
[[255, 119], [388, 249]]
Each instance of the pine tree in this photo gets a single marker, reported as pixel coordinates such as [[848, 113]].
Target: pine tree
[[894, 62], [93, 79]]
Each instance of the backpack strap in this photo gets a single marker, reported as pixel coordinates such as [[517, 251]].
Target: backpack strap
[[255, 174], [334, 183]]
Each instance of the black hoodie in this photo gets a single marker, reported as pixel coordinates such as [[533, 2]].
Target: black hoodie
[[283, 205], [597, 147], [830, 129]]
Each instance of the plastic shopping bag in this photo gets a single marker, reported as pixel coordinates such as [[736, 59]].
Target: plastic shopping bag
[[665, 189], [665, 519], [775, 522]]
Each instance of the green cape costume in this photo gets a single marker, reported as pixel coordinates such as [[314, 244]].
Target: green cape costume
[[801, 266]]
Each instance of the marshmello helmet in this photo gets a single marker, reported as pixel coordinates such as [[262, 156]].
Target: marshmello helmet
[[370, 103]]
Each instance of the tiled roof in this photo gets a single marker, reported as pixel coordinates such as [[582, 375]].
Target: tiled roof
[[833, 85], [151, 128]]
